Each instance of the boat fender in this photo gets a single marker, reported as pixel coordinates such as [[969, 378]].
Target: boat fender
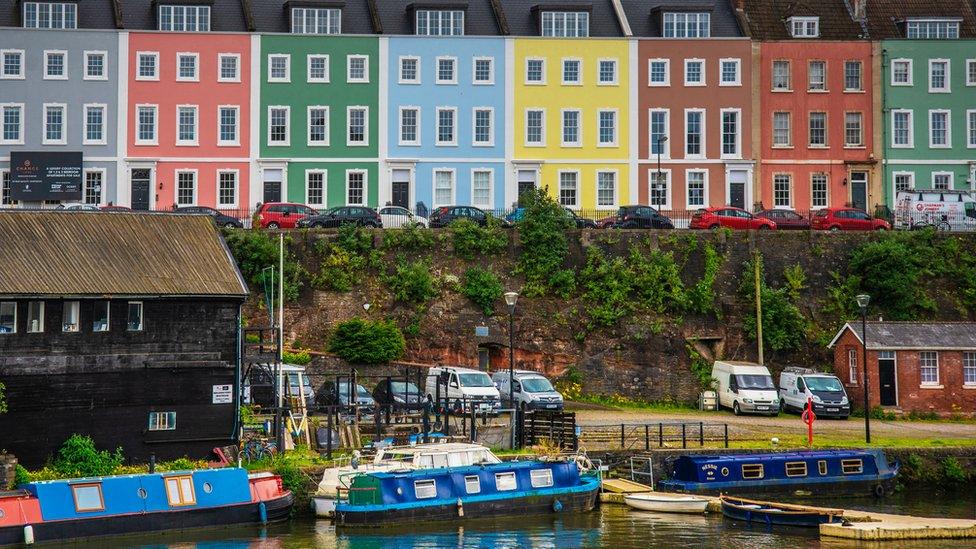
[[263, 512], [28, 535], [879, 491], [460, 507], [557, 506]]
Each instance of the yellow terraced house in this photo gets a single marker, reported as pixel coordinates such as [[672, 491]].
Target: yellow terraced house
[[571, 110]]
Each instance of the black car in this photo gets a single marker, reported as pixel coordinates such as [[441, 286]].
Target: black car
[[445, 215], [221, 220], [398, 394], [337, 394], [581, 222], [641, 217], [333, 217]]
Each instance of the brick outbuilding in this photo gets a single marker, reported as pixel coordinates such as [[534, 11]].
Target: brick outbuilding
[[912, 366]]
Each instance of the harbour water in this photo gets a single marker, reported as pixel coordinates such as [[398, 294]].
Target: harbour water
[[611, 526]]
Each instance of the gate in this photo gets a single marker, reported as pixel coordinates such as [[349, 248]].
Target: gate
[[559, 427]]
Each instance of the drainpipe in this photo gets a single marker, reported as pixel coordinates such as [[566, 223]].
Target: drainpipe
[[884, 127], [237, 379]]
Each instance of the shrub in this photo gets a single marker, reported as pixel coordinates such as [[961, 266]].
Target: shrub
[[412, 282], [255, 251], [362, 341], [952, 471], [410, 237], [783, 325], [656, 280], [913, 470], [544, 247], [78, 457], [355, 239], [483, 288], [300, 357], [892, 273], [606, 289], [701, 296], [701, 367], [796, 280], [340, 270], [471, 239]]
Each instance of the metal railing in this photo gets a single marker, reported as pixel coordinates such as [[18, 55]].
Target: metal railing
[[631, 436]]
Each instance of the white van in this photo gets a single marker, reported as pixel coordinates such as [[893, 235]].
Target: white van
[[945, 210], [796, 385], [459, 387], [531, 391], [745, 387]]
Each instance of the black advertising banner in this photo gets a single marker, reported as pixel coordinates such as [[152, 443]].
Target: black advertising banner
[[38, 176]]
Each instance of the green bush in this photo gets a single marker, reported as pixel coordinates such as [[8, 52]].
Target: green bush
[[701, 296], [355, 239], [701, 367], [411, 237], [952, 471], [913, 469], [656, 280], [301, 357], [78, 457], [783, 325], [796, 281], [254, 251], [471, 239], [412, 282], [21, 476], [894, 275], [544, 246], [483, 288], [339, 271], [606, 289], [362, 341]]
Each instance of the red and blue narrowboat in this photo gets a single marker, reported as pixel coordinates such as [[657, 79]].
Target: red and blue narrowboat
[[57, 510]]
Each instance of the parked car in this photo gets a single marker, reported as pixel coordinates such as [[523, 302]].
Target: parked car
[[395, 217], [745, 387], [606, 222], [847, 219], [399, 395], [530, 391], [77, 207], [445, 215], [825, 391], [333, 217], [641, 217], [333, 393], [944, 210], [281, 215], [459, 387], [516, 215], [115, 208], [731, 217], [220, 219], [259, 384], [786, 219]]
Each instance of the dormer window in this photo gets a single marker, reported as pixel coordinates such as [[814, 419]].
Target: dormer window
[[687, 25], [565, 24], [184, 18], [440, 22], [316, 20], [804, 27], [50, 15], [932, 29]]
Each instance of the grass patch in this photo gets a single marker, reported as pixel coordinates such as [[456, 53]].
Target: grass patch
[[851, 441], [626, 403]]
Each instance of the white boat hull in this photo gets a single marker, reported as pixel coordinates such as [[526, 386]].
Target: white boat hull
[[324, 506], [667, 503]]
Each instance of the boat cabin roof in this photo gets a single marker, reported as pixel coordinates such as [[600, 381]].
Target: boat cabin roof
[[780, 456], [434, 448]]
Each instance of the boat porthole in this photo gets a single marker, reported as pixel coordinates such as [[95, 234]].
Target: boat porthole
[[399, 491], [207, 487], [2, 514], [142, 493], [725, 471]]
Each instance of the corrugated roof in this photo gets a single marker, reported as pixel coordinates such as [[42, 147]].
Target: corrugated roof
[[523, 19], [92, 14], [884, 335], [767, 19], [645, 16], [272, 15], [89, 253], [884, 17], [479, 18]]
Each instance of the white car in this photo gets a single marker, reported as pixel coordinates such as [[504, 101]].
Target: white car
[[77, 206], [395, 217], [459, 388]]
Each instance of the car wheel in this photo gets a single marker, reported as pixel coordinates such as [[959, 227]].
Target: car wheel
[[272, 225], [834, 229], [764, 227], [230, 225], [715, 227], [370, 225], [316, 225], [735, 408]]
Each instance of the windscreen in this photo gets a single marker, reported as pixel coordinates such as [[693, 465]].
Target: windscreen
[[536, 385], [404, 387], [475, 380], [754, 381], [827, 384]]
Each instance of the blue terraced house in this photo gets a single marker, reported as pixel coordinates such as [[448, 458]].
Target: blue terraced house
[[446, 104]]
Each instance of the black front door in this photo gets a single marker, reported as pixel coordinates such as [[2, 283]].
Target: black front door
[[737, 195], [401, 194], [140, 180], [272, 191], [886, 378], [859, 190]]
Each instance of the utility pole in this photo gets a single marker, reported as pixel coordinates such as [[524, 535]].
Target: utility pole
[[756, 258], [280, 421]]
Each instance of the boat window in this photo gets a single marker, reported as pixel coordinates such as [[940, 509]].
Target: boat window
[[424, 489], [472, 484], [456, 459], [822, 467], [753, 471], [796, 469], [852, 466], [541, 478], [88, 497], [179, 490], [439, 460], [505, 481]]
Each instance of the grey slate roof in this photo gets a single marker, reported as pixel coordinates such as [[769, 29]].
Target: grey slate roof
[[92, 14], [523, 21], [884, 335], [645, 16], [479, 18], [225, 15], [272, 15]]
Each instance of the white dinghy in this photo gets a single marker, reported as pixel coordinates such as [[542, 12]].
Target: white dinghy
[[667, 503]]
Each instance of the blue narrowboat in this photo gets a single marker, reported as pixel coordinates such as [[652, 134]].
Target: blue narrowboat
[[814, 473], [780, 514], [58, 510], [511, 488]]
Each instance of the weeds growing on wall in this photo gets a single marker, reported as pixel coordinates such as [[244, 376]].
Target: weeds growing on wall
[[471, 239], [412, 237], [345, 260], [701, 296], [78, 457], [361, 341], [3, 398], [299, 358], [412, 282], [701, 367], [544, 246], [483, 288], [892, 273], [783, 325], [255, 251]]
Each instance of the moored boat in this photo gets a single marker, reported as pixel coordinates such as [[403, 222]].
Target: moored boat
[[780, 514], [58, 510], [667, 503]]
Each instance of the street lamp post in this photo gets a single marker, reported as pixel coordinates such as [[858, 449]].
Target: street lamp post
[[862, 303], [510, 299], [660, 147]]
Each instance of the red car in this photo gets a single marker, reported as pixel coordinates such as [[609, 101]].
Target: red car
[[847, 219], [731, 217], [281, 215], [786, 219]]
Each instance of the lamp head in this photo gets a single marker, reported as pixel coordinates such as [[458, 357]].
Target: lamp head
[[510, 299], [862, 301], [662, 139]]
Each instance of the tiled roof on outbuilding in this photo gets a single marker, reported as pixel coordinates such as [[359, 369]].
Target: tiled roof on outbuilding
[[47, 253], [225, 15], [397, 16], [885, 17], [92, 14], [884, 335], [274, 16], [767, 19], [523, 18], [645, 16]]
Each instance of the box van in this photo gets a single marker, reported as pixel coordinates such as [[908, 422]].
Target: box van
[[945, 210], [796, 385], [459, 387], [745, 387], [531, 390]]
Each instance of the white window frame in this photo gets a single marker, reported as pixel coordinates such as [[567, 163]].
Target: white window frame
[[702, 133], [155, 75], [803, 23], [84, 129], [155, 138], [287, 141], [64, 54], [542, 142], [365, 174], [418, 125], [559, 188], [64, 124], [491, 127], [279, 79], [616, 188], [688, 204], [666, 146], [948, 73], [308, 68], [651, 178], [443, 15], [199, 9], [968, 365], [23, 62], [196, 67], [791, 191], [325, 186], [437, 127], [365, 141], [860, 73], [310, 18], [616, 71], [506, 475], [160, 421], [142, 316], [349, 78], [948, 143], [852, 372], [437, 70], [526, 74], [50, 22], [474, 71], [911, 68], [540, 478], [826, 131], [417, 70], [102, 172], [667, 73], [176, 185], [196, 127], [825, 88], [789, 131], [862, 143], [579, 128], [826, 203], [308, 126], [950, 175], [738, 71], [970, 72], [911, 129], [433, 175], [922, 22], [704, 73], [616, 128], [669, 29], [92, 53], [738, 133], [16, 306], [20, 131], [491, 186], [237, 188], [789, 76], [938, 374], [220, 66], [237, 126], [579, 72], [971, 129], [894, 181]]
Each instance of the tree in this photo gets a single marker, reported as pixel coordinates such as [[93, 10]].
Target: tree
[[362, 341]]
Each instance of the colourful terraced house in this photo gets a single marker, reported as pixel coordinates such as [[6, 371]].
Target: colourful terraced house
[[446, 105], [319, 105], [571, 103]]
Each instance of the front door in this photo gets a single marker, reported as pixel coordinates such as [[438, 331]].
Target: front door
[[401, 188], [141, 181], [737, 188], [886, 379], [859, 190], [526, 182], [272, 185]]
